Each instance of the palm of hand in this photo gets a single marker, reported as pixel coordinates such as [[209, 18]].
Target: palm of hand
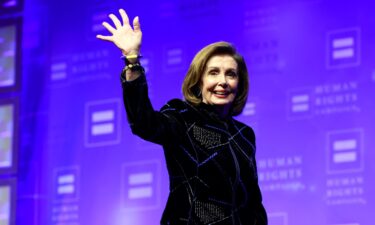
[[126, 38]]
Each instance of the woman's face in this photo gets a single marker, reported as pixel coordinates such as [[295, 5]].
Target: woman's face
[[220, 81]]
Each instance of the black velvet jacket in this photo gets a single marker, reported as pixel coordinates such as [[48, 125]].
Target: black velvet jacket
[[211, 161]]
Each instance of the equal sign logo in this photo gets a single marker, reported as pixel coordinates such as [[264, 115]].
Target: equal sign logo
[[345, 151], [300, 103], [346, 224], [140, 186], [66, 184], [58, 71], [96, 21], [279, 218], [343, 48], [146, 64], [102, 122], [249, 109], [174, 57]]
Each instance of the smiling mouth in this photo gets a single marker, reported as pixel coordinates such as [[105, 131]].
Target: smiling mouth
[[221, 93]]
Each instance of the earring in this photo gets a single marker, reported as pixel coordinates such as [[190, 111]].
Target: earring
[[199, 94], [197, 91]]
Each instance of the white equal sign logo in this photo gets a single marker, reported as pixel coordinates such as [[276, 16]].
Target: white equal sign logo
[[96, 21], [102, 122], [347, 224], [300, 103], [58, 71], [249, 109], [174, 56], [345, 151], [66, 184], [343, 48], [140, 185], [146, 64]]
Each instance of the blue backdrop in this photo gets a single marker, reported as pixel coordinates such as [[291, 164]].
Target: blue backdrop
[[311, 104]]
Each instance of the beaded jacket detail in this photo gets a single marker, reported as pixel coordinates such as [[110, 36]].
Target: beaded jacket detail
[[210, 160]]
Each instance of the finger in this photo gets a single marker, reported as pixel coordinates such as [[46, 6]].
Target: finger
[[124, 16], [105, 38], [136, 24], [109, 27], [115, 21]]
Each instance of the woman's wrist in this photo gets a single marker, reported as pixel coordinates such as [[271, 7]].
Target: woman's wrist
[[132, 52], [131, 57]]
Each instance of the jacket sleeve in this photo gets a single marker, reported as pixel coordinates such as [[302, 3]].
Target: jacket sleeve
[[261, 213], [155, 126]]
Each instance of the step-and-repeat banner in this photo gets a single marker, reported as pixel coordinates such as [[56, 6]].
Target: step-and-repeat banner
[[64, 130]]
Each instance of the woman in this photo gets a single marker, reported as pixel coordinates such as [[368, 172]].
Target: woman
[[210, 156]]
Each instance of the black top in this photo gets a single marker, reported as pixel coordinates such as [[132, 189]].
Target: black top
[[211, 161]]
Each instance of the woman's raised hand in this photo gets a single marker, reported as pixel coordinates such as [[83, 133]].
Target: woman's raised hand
[[126, 38]]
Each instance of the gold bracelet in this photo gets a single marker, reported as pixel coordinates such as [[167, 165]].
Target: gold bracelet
[[127, 57]]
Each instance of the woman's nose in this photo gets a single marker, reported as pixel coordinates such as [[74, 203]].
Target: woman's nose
[[223, 80]]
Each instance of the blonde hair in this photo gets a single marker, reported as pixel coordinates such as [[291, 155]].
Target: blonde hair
[[192, 82]]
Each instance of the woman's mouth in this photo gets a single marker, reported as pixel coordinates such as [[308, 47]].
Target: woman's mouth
[[221, 94]]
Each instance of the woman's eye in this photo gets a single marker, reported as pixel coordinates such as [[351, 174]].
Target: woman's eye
[[232, 74], [213, 72]]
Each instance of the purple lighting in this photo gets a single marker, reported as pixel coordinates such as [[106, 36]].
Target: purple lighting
[[64, 135]]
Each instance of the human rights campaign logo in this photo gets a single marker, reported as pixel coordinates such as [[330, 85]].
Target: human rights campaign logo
[[345, 151]]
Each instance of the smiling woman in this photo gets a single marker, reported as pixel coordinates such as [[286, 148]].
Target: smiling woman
[[219, 83], [209, 62], [210, 156]]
